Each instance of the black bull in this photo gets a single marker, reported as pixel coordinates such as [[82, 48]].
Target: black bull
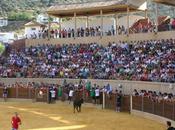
[[77, 104], [77, 100]]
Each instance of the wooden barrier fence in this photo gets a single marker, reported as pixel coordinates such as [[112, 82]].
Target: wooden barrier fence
[[162, 108], [110, 102], [26, 93], [32, 93]]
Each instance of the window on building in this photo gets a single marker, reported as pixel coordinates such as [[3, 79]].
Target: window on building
[[33, 29]]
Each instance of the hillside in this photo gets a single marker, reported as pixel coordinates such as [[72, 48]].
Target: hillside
[[7, 7], [32, 6], [26, 10], [13, 26]]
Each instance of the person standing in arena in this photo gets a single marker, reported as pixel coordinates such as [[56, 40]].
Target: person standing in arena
[[16, 121], [119, 101], [97, 95], [88, 87], [49, 95], [60, 91], [5, 93], [70, 95], [92, 94], [53, 94]]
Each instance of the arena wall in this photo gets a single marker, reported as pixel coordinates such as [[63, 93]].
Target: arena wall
[[127, 86], [103, 40], [157, 110], [153, 117]]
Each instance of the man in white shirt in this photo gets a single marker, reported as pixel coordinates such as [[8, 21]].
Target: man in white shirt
[[53, 95], [97, 95], [70, 95]]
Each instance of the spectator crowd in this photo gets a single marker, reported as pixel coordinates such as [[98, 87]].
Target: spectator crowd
[[155, 96], [140, 61], [80, 32], [142, 26]]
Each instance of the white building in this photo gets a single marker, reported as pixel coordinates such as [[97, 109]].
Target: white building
[[7, 37], [3, 21], [42, 18], [32, 29]]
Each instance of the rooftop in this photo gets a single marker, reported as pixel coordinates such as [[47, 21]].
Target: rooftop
[[94, 7], [166, 2]]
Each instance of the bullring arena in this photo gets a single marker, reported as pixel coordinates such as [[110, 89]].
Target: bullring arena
[[124, 75], [37, 114], [60, 116]]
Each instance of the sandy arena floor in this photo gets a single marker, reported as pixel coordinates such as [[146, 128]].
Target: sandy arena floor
[[60, 116]]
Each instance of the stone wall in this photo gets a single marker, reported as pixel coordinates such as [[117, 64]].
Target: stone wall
[[104, 40]]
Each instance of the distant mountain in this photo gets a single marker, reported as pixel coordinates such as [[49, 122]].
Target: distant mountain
[[21, 11], [11, 8]]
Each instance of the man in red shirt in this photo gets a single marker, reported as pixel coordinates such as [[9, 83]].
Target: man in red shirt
[[16, 121]]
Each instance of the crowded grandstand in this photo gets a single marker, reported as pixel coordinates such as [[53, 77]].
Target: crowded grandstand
[[151, 60]]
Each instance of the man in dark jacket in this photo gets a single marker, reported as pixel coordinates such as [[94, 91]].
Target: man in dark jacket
[[118, 101]]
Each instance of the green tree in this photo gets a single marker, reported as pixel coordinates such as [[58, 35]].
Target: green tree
[[20, 16]]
